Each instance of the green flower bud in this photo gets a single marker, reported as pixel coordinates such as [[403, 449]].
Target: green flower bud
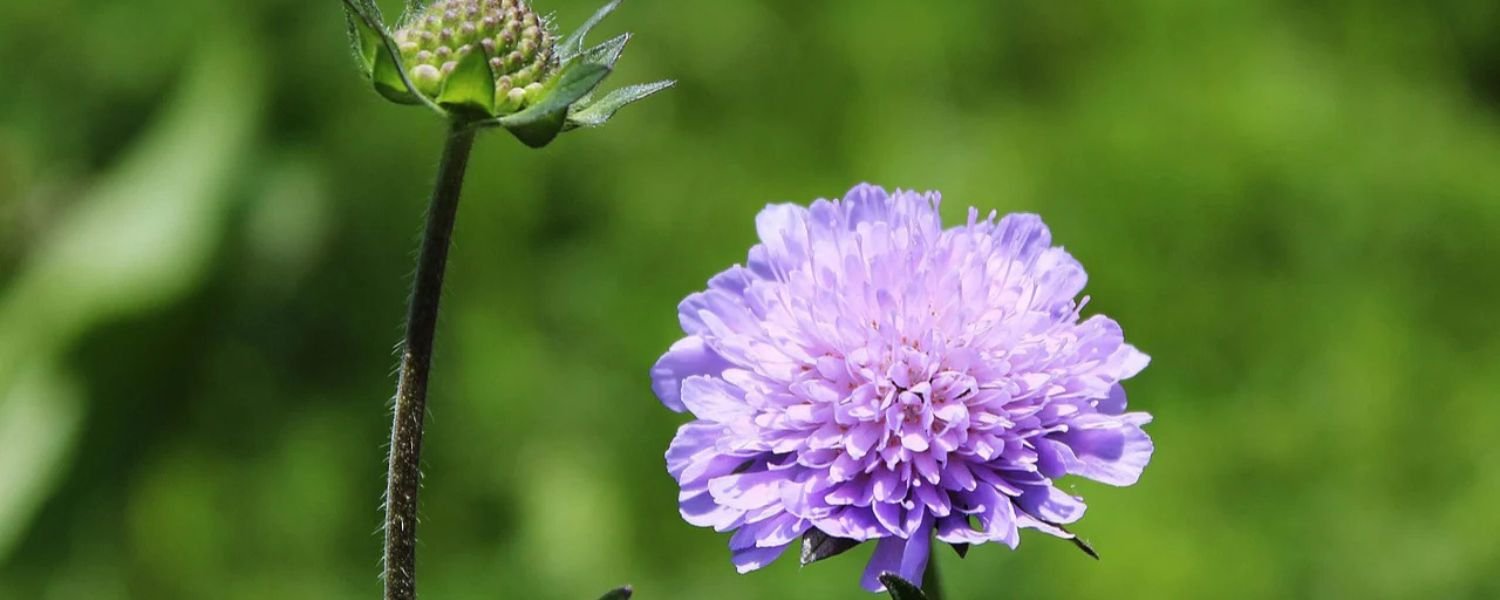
[[492, 63], [433, 39]]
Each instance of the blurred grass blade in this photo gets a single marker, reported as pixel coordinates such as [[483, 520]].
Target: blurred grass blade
[[140, 238], [144, 234], [40, 414]]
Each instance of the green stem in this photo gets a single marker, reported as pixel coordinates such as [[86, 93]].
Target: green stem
[[404, 477], [932, 584]]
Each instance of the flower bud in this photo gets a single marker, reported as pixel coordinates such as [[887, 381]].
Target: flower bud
[[434, 39], [492, 63]]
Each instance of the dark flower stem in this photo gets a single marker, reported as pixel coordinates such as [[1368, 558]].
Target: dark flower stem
[[931, 583], [404, 478]]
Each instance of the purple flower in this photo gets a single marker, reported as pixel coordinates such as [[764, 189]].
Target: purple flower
[[869, 375]]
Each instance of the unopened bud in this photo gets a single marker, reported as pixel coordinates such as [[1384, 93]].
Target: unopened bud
[[427, 78], [514, 39], [492, 63]]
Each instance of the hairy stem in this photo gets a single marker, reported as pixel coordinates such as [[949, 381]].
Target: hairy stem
[[404, 478]]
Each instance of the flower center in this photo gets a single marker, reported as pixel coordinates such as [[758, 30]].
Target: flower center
[[905, 404]]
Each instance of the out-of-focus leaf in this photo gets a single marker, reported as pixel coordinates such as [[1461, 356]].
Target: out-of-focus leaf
[[40, 413], [145, 232], [142, 237], [599, 112], [900, 589], [620, 593], [573, 44]]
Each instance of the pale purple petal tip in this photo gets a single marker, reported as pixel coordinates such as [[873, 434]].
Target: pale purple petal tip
[[750, 559], [688, 357]]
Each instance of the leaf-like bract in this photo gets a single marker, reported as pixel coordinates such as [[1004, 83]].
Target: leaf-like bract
[[597, 113], [573, 44]]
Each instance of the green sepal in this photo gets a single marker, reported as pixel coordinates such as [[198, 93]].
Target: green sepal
[[573, 44], [901, 589], [386, 72], [538, 124], [390, 81], [608, 52], [594, 114], [363, 39], [620, 593], [471, 86]]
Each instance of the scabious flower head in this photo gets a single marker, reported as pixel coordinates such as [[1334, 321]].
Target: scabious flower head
[[868, 375], [492, 63]]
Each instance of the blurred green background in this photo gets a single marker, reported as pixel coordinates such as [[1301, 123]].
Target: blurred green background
[[206, 233]]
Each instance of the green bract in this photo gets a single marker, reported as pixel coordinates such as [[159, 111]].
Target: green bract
[[492, 63]]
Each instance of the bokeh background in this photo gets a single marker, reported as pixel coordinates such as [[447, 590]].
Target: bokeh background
[[206, 233]]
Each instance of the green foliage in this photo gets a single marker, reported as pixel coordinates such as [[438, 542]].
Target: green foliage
[[143, 235], [1291, 207]]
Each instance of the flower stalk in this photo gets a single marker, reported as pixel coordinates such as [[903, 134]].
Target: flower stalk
[[404, 475], [479, 64]]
